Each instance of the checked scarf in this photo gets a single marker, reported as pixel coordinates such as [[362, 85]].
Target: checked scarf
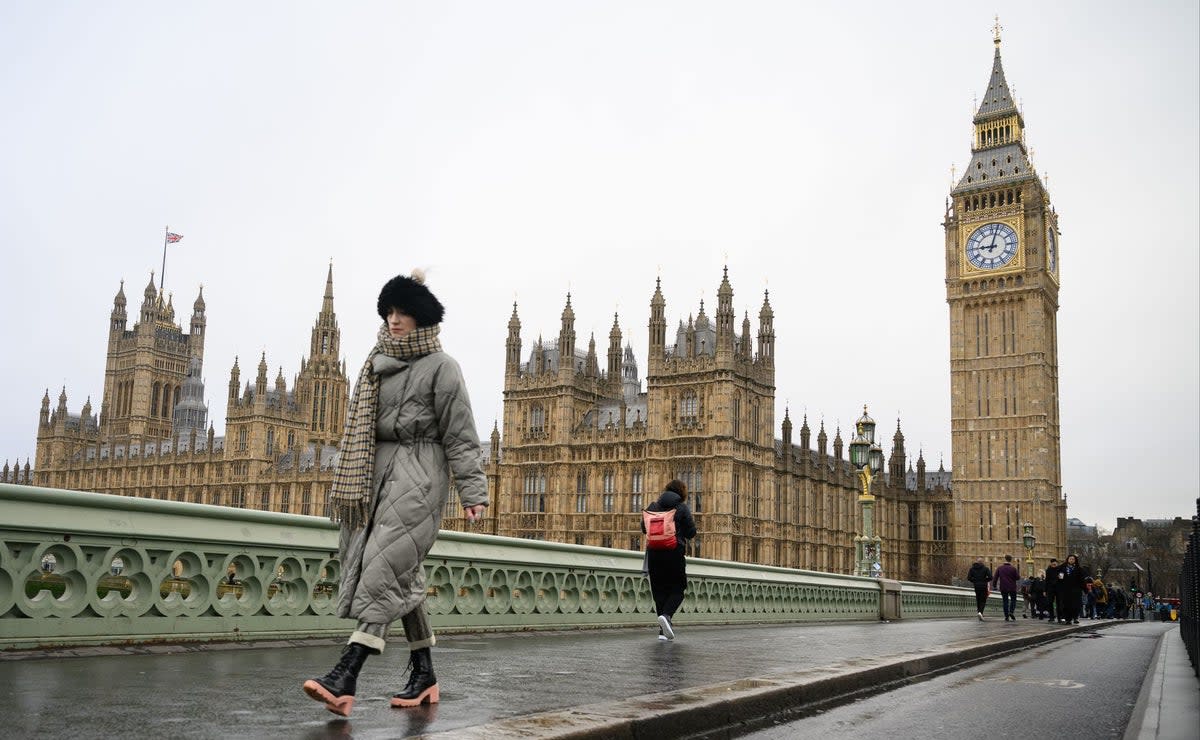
[[350, 495]]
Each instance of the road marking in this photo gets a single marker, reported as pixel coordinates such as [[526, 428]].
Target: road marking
[[1056, 683]]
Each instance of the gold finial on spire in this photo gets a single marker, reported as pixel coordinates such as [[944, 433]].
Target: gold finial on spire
[[996, 29]]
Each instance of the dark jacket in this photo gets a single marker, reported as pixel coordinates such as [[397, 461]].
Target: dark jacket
[[1006, 576], [1072, 577], [1052, 580], [979, 574], [685, 525]]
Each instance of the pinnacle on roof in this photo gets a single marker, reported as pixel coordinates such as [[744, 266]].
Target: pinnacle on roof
[[998, 99], [327, 300]]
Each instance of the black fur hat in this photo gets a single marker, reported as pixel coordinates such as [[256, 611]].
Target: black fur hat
[[410, 295]]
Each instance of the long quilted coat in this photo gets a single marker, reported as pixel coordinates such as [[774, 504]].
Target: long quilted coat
[[424, 431]]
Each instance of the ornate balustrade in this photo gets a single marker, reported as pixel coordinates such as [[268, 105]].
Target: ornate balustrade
[[86, 568]]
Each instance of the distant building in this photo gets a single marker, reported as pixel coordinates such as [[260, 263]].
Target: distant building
[[152, 438], [585, 449]]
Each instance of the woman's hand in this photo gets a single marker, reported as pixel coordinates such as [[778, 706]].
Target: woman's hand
[[474, 513]]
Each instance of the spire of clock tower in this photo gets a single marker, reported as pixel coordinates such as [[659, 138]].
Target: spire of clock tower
[[999, 156]]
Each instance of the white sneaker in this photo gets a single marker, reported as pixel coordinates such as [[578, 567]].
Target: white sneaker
[[665, 623], [662, 637], [980, 616]]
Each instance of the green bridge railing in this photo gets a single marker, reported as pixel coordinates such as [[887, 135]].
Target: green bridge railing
[[87, 568]]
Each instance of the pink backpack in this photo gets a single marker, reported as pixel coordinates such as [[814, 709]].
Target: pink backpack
[[660, 529]]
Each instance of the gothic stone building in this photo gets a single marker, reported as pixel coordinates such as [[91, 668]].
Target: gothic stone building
[[584, 449], [152, 438], [1002, 273]]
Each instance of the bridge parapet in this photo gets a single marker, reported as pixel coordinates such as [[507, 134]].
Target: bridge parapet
[[86, 568]]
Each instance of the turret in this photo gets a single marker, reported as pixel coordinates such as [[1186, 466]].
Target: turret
[[592, 366], [512, 345], [837, 443], [658, 328], [118, 319], [787, 432], [744, 347], [149, 298], [566, 341], [921, 470], [821, 439], [260, 383], [725, 346], [495, 450], [325, 340], [896, 463], [766, 332], [614, 354], [804, 433], [44, 416], [198, 323], [235, 383], [280, 383]]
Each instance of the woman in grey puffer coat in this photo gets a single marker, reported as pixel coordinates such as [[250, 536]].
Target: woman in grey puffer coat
[[409, 428]]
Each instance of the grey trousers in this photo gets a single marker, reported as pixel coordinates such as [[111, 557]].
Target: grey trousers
[[417, 631]]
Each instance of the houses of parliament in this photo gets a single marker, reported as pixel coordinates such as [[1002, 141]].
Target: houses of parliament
[[583, 446]]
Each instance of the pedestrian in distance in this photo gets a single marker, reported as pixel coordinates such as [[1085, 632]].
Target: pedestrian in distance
[[1052, 589], [1006, 578], [668, 525], [1024, 588], [980, 576], [1037, 592], [409, 427], [1102, 598], [1071, 577]]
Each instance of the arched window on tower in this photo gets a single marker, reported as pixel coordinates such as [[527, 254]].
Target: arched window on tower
[[688, 408], [537, 419], [154, 399]]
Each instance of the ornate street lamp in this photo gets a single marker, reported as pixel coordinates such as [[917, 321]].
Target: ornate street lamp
[[867, 457], [1029, 541]]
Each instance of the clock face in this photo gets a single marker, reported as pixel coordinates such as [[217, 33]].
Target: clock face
[[1052, 250], [992, 246]]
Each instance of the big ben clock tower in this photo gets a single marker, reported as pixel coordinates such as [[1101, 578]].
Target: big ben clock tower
[[1002, 278]]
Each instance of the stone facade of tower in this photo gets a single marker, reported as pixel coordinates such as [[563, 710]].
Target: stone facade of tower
[[150, 438], [1002, 280], [584, 449]]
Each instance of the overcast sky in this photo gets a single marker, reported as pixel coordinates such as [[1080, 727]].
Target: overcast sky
[[522, 150]]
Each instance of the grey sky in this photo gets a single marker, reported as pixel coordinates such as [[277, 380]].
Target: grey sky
[[527, 149]]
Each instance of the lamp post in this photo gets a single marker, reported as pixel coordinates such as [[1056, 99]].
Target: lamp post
[[867, 457], [1029, 541]]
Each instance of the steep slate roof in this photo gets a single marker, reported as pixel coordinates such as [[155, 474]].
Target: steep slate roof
[[997, 165]]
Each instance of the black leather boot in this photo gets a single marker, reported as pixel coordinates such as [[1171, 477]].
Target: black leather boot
[[422, 684], [337, 687]]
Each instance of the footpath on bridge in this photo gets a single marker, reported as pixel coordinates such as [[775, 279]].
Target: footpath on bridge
[[620, 683]]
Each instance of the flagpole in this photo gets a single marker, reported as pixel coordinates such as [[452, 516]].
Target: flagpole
[[162, 276]]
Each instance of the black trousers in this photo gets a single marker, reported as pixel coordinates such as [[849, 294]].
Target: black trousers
[[668, 579], [981, 596]]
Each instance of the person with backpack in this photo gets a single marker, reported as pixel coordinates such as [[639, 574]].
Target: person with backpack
[[668, 524]]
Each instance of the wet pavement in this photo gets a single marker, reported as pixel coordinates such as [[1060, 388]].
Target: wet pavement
[[491, 684]]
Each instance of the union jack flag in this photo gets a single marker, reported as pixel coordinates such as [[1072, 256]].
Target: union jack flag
[[172, 238]]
